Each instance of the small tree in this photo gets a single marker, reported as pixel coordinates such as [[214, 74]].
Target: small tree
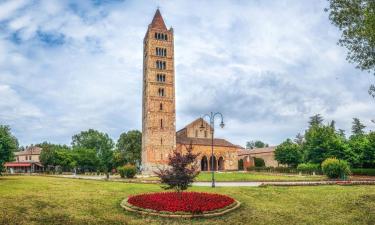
[[181, 172], [288, 153]]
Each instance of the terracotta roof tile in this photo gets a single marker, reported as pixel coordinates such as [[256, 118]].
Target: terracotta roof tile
[[204, 141], [256, 150], [30, 151]]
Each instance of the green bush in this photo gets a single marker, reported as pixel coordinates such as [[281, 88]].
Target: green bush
[[363, 171], [334, 168], [259, 162], [272, 169], [127, 171], [309, 168]]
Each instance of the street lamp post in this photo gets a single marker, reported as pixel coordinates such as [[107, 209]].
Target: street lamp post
[[211, 118]]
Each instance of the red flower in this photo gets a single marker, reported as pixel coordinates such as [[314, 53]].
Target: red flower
[[194, 202]]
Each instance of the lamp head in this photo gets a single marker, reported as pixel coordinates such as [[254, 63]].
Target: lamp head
[[222, 124]]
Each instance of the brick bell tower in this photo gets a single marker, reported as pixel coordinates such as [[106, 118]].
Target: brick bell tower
[[158, 109]]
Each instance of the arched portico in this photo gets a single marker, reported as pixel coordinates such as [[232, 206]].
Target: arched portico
[[221, 163], [204, 164], [214, 161]]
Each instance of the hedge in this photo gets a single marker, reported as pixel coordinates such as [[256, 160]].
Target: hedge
[[363, 171], [272, 169]]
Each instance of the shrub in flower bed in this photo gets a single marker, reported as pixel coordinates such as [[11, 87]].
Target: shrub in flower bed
[[190, 202]]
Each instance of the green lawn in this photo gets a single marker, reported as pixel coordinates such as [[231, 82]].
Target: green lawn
[[49, 200], [255, 176]]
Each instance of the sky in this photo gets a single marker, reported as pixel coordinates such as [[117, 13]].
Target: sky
[[267, 66]]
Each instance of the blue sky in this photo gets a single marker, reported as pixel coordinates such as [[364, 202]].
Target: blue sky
[[67, 66]]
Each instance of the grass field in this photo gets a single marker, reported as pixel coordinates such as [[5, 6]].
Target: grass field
[[48, 200], [255, 176]]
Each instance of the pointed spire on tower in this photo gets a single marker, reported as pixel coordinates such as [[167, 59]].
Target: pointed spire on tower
[[157, 21]]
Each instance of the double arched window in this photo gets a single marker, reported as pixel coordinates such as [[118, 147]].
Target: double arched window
[[161, 36], [161, 51], [161, 92], [160, 77], [161, 65]]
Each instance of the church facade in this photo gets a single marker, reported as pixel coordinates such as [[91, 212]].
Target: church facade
[[159, 136]]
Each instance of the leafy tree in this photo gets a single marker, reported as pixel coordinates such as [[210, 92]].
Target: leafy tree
[[48, 154], [101, 143], [255, 144], [323, 142], [357, 127], [288, 153], [316, 120], [356, 20], [86, 159], [8, 144], [358, 144], [181, 172], [129, 148], [369, 153]]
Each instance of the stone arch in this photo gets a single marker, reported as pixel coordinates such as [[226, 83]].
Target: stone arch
[[220, 163], [204, 164], [214, 165]]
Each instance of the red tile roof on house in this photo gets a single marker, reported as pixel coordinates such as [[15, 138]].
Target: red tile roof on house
[[34, 150], [256, 150], [157, 21]]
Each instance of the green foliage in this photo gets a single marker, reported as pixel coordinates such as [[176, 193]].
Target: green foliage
[[334, 168], [322, 142], [128, 171], [48, 156], [369, 153], [309, 168], [356, 20], [8, 144], [363, 171], [272, 169], [357, 127], [129, 148], [240, 164], [255, 144], [288, 153], [316, 120], [101, 143], [86, 159], [259, 162]]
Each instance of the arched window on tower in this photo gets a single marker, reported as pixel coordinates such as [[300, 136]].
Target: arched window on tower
[[161, 123], [161, 92], [161, 106]]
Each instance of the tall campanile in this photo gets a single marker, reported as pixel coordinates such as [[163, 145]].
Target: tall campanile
[[158, 109]]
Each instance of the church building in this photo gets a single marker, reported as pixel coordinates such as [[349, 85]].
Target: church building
[[159, 136]]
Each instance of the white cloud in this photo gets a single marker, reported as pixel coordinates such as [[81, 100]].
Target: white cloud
[[266, 65]]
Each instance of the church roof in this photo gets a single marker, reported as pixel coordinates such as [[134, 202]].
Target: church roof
[[157, 21], [204, 141]]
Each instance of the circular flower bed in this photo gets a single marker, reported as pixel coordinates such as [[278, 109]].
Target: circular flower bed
[[186, 204]]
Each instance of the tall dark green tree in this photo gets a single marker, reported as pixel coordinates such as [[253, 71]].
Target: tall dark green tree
[[86, 159], [101, 143], [8, 144], [358, 127], [369, 153], [48, 155], [356, 20], [322, 142], [288, 153], [129, 148], [316, 120]]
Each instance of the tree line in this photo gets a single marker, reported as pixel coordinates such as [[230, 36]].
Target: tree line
[[90, 151], [321, 141]]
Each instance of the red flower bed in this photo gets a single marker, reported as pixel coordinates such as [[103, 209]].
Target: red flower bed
[[194, 202]]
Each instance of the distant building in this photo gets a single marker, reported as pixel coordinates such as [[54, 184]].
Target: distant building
[[267, 154], [27, 161]]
